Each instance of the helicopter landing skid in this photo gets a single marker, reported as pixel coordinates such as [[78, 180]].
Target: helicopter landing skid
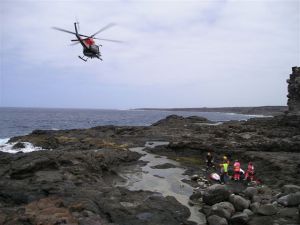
[[82, 58]]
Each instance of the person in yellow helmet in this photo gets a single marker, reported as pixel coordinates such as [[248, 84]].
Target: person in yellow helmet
[[224, 170]]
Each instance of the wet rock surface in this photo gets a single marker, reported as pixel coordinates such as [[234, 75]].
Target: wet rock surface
[[164, 166], [77, 187]]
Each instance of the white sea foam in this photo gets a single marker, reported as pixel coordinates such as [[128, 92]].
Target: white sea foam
[[8, 147], [3, 141]]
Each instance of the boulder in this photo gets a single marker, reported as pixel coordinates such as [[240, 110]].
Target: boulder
[[196, 195], [261, 220], [290, 199], [195, 177], [254, 207], [250, 192], [222, 209], [216, 220], [290, 188], [215, 193], [239, 202], [239, 218], [256, 198], [248, 212], [206, 209], [267, 210], [288, 212]]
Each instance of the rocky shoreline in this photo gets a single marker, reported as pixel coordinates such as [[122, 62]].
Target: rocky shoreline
[[73, 180], [261, 110]]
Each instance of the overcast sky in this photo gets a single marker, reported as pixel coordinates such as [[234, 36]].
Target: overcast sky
[[175, 53]]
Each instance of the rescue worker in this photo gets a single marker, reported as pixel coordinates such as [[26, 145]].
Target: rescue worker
[[236, 170], [250, 172], [224, 170], [209, 160]]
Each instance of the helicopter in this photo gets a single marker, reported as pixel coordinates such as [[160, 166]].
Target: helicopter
[[90, 49]]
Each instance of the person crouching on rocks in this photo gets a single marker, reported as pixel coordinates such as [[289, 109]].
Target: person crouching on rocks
[[209, 161], [224, 170], [236, 170], [250, 172]]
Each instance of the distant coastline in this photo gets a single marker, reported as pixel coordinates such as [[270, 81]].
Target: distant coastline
[[259, 110]]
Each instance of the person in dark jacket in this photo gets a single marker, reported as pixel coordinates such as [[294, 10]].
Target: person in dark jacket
[[209, 160]]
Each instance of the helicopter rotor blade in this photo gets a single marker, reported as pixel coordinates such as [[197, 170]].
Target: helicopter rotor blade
[[103, 29], [77, 22], [75, 43], [104, 39], [67, 31]]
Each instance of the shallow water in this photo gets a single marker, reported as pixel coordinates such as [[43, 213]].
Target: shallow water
[[165, 181]]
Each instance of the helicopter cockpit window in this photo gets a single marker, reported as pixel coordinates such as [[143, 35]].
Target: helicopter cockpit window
[[95, 48]]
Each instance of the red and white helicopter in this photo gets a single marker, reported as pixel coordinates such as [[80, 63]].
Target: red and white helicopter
[[90, 49]]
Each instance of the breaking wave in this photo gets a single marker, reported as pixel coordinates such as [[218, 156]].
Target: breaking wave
[[9, 147]]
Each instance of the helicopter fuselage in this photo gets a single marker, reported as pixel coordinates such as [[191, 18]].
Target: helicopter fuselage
[[91, 51]]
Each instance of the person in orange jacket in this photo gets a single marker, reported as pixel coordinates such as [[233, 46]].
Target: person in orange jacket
[[250, 172], [236, 170]]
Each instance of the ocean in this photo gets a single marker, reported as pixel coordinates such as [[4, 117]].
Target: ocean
[[21, 121]]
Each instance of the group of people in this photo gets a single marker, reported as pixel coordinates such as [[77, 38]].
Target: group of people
[[237, 170]]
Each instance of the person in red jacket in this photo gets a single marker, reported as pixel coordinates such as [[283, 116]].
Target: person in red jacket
[[236, 170], [250, 172]]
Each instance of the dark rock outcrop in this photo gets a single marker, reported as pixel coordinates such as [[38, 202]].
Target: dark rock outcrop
[[294, 92], [77, 188], [18, 145]]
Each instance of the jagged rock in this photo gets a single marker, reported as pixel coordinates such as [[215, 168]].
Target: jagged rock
[[239, 218], [215, 193], [290, 199], [222, 209], [267, 210], [216, 220], [18, 145], [290, 188], [49, 211], [294, 92], [250, 192], [239, 202]]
